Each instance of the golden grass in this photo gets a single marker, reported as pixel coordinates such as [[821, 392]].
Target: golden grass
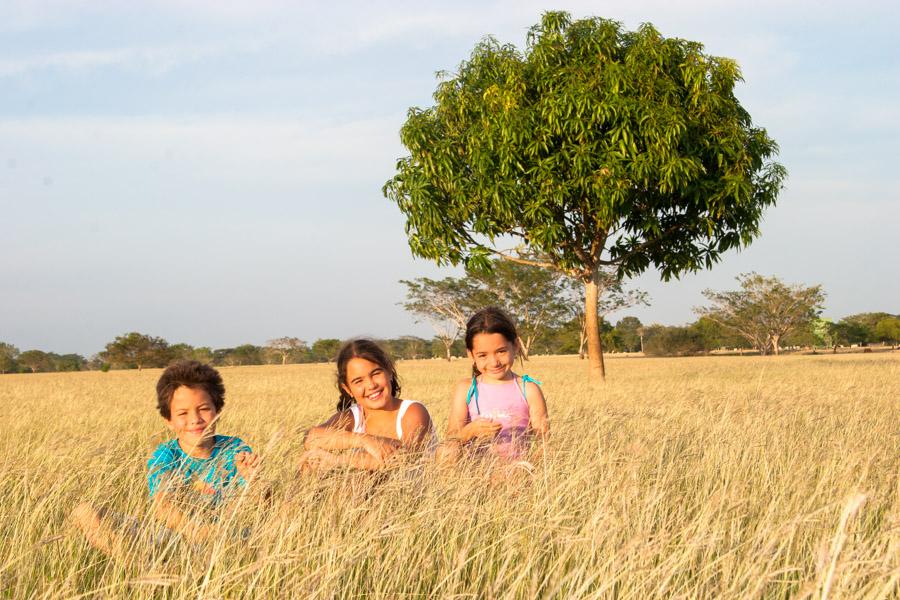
[[689, 478]]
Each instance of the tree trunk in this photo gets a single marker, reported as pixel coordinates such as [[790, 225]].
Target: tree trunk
[[592, 324], [775, 339], [447, 349]]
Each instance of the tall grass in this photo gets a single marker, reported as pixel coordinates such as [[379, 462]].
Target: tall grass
[[690, 478]]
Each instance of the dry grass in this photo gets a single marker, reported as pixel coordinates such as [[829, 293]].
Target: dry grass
[[689, 478]]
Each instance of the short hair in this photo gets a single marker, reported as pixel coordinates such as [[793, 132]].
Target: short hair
[[193, 374], [370, 351]]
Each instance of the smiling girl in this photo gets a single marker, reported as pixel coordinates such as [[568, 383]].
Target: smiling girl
[[495, 410], [372, 422]]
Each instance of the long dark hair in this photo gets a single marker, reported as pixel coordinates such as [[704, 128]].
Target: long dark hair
[[490, 320], [368, 350]]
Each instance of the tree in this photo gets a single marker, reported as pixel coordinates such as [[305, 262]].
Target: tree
[[67, 362], [614, 298], [325, 350], [860, 328], [660, 340], [764, 310], [888, 330], [630, 331], [245, 354], [534, 297], [35, 360], [8, 354], [135, 351], [287, 347], [445, 304], [594, 148]]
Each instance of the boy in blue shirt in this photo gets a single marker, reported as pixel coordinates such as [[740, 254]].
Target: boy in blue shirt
[[190, 477]]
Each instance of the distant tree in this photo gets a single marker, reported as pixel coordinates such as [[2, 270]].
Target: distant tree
[[203, 354], [764, 310], [445, 304], [629, 331], [594, 147], [68, 362], [888, 330], [850, 332], [860, 328], [287, 348], [660, 340], [533, 296], [35, 360], [8, 354], [181, 351], [136, 351], [408, 347], [325, 350], [245, 354]]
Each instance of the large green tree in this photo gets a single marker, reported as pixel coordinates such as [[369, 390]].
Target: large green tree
[[594, 147]]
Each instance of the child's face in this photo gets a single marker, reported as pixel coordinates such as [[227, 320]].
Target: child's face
[[493, 355], [192, 416], [369, 383]]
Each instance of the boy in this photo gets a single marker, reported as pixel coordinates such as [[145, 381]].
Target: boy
[[189, 477]]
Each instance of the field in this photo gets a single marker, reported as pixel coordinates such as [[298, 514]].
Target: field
[[716, 477]]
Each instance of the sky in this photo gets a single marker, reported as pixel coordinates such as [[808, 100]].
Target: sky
[[211, 172]]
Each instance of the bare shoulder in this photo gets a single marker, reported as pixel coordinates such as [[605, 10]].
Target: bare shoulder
[[462, 388], [416, 413], [532, 388]]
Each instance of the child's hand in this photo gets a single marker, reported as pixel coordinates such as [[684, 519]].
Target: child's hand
[[380, 448], [481, 429], [247, 464], [317, 460]]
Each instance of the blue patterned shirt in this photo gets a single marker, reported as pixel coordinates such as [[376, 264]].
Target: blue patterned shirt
[[207, 481]]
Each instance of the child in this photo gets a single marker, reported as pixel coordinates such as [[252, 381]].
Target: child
[[371, 421], [496, 409], [189, 477]]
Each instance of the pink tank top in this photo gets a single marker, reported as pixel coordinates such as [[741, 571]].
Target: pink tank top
[[505, 403]]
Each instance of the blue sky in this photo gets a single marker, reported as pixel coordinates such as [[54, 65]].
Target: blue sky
[[211, 172]]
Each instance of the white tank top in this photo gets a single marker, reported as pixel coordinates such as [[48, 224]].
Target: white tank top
[[359, 422]]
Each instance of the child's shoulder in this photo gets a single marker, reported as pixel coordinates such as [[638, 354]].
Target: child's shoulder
[[230, 444], [463, 385]]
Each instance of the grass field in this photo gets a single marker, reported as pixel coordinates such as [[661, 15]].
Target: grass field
[[688, 478]]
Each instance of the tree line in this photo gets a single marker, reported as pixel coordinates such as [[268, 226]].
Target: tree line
[[763, 315]]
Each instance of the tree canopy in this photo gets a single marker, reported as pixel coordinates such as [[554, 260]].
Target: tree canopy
[[764, 310], [594, 147]]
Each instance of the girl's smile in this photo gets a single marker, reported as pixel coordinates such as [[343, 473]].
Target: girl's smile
[[370, 384]]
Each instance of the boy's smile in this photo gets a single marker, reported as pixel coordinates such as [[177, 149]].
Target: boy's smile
[[193, 417]]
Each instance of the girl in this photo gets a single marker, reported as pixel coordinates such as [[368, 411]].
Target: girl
[[371, 420], [496, 408]]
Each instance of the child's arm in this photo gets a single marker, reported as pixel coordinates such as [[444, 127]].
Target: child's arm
[[416, 425], [336, 434], [459, 427], [538, 420], [166, 511]]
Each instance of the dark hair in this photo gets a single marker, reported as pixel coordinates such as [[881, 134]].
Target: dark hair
[[368, 350], [193, 374], [490, 320]]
